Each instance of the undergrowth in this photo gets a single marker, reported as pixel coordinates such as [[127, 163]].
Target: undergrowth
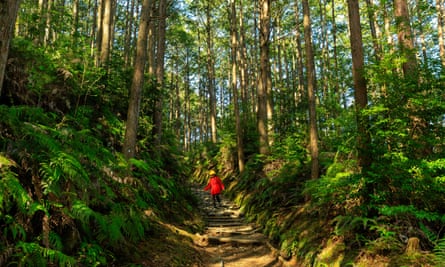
[[69, 198], [330, 220]]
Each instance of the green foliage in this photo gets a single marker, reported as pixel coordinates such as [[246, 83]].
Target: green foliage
[[92, 255], [89, 193], [439, 252], [32, 254]]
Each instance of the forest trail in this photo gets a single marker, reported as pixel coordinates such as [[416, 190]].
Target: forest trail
[[232, 241]]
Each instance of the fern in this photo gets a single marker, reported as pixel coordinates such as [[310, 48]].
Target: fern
[[439, 252], [63, 165], [10, 186], [92, 255], [134, 227], [55, 241], [5, 255], [344, 224], [413, 211], [32, 254]]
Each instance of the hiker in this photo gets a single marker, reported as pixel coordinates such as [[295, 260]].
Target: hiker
[[216, 187]]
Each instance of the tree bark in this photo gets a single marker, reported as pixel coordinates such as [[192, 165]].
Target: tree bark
[[405, 38], [157, 115], [107, 22], [129, 147], [440, 29], [373, 28], [8, 15], [234, 51], [263, 80], [211, 74], [360, 92], [311, 89]]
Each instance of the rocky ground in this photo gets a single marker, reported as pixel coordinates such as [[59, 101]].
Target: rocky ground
[[229, 240]]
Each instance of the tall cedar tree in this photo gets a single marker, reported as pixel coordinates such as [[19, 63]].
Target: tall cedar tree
[[311, 89], [211, 72], [360, 92], [157, 116], [263, 80], [129, 147], [8, 15], [234, 50]]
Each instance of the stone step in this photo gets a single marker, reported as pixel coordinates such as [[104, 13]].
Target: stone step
[[231, 229], [244, 239], [224, 224]]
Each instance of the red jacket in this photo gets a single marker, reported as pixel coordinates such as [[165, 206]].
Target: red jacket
[[215, 185]]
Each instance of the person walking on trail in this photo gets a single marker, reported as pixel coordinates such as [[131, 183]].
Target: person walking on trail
[[215, 186]]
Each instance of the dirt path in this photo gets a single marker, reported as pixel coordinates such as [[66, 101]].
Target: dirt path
[[231, 240]]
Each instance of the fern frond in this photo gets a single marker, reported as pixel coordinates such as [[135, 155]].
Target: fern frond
[[345, 224], [55, 240], [10, 186], [32, 254], [62, 166], [5, 255], [81, 212], [439, 252], [134, 227], [410, 210]]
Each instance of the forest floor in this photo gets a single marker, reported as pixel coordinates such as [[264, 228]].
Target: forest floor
[[225, 239]]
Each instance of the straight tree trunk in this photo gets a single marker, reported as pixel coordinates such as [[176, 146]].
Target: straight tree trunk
[[440, 29], [373, 27], [234, 51], [311, 89], [300, 92], [263, 80], [157, 119], [8, 15], [244, 76], [211, 74], [75, 16], [152, 38], [405, 38], [129, 147], [129, 25], [360, 92], [43, 10], [107, 22]]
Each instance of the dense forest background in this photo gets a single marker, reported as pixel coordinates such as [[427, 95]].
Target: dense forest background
[[325, 119]]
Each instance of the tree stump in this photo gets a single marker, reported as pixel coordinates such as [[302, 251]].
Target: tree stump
[[412, 246]]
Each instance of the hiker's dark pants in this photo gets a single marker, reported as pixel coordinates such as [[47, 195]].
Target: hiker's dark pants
[[216, 198]]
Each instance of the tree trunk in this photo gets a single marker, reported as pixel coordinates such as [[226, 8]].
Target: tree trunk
[[8, 15], [298, 95], [440, 29], [129, 147], [129, 25], [234, 51], [244, 76], [263, 80], [373, 28], [75, 26], [311, 89], [405, 38], [360, 92], [107, 22], [211, 73], [157, 116]]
